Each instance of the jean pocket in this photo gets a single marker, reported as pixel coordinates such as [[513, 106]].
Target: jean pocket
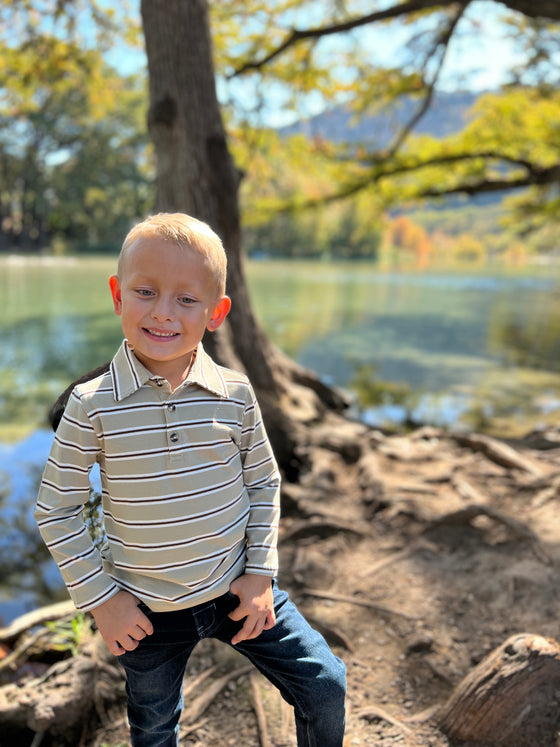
[[230, 602]]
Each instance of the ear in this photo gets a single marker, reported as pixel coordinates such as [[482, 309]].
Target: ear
[[115, 286], [221, 310]]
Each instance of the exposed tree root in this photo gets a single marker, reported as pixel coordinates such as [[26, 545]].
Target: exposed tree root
[[498, 452], [467, 514], [260, 714], [199, 705], [376, 711], [357, 601]]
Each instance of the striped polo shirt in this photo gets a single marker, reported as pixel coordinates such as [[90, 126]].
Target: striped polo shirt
[[190, 487]]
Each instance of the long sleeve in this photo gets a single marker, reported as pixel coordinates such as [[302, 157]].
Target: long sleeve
[[59, 512], [189, 484], [262, 480]]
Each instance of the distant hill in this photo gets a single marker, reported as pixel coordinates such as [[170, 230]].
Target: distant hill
[[447, 114]]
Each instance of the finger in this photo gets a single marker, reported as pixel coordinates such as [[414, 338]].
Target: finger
[[129, 643], [251, 629], [258, 629], [138, 633], [237, 614], [144, 623], [115, 648], [270, 621], [244, 633]]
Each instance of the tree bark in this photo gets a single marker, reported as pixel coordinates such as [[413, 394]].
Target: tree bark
[[195, 170], [196, 175], [548, 9], [510, 698]]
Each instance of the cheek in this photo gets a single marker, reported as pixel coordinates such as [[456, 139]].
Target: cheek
[[132, 308]]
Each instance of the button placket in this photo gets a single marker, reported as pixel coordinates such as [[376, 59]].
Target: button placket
[[173, 434]]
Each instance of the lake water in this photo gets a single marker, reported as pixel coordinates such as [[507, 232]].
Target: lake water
[[471, 350]]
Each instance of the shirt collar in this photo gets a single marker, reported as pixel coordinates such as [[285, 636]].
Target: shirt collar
[[129, 374]]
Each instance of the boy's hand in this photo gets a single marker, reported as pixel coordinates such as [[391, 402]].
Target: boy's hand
[[256, 604], [121, 622]]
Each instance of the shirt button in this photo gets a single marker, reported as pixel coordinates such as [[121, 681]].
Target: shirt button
[[171, 408], [174, 437]]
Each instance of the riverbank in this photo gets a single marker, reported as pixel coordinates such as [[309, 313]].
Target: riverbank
[[416, 555]]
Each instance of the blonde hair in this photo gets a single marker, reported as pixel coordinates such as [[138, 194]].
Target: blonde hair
[[186, 232]]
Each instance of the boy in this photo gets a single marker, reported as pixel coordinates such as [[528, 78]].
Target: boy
[[190, 498]]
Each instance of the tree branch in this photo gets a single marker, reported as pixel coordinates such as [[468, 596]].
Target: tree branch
[[406, 167], [546, 176], [441, 42], [547, 9], [534, 176], [295, 36]]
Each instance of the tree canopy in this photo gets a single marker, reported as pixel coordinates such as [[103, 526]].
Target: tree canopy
[[73, 140], [304, 59]]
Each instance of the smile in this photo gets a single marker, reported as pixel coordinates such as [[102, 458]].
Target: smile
[[159, 333]]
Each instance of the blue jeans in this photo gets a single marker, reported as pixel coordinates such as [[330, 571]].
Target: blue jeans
[[292, 655]]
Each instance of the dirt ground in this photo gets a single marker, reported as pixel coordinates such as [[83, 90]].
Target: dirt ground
[[416, 556]]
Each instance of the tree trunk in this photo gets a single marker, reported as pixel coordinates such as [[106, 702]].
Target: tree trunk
[[510, 698], [196, 175], [195, 171]]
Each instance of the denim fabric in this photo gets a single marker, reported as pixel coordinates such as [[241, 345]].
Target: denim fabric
[[292, 655]]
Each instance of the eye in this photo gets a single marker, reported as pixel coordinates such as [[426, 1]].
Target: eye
[[187, 300], [144, 292]]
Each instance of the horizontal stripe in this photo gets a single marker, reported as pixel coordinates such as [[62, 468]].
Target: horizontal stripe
[[162, 523], [186, 478]]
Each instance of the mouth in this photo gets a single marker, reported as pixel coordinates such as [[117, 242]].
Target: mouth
[[160, 334]]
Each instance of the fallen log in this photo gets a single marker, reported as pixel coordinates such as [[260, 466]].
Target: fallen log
[[36, 617], [510, 698]]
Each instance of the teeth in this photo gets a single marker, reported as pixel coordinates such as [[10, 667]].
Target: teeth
[[161, 334]]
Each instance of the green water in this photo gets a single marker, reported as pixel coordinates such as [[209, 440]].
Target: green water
[[463, 350]]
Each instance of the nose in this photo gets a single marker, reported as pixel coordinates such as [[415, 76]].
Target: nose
[[162, 309]]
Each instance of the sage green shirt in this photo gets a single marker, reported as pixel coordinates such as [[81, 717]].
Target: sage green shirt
[[190, 487]]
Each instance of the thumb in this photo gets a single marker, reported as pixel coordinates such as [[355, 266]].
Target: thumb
[[270, 620]]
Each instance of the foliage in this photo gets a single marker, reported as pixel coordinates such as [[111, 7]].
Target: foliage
[[70, 635], [301, 56], [76, 164], [371, 390]]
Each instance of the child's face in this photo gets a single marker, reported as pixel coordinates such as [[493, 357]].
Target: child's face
[[166, 298]]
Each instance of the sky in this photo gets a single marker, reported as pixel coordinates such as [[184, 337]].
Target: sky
[[478, 60]]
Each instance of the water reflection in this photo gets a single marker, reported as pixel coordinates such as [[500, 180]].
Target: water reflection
[[41, 355], [527, 337], [29, 576]]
